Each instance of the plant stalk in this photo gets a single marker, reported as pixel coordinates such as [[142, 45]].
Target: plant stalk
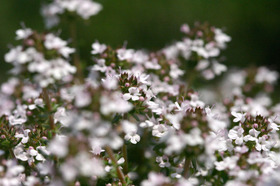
[[186, 167], [49, 108], [124, 151], [76, 55], [112, 157]]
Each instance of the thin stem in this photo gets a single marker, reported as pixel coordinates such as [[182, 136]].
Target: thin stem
[[186, 167], [76, 55], [12, 153], [49, 108], [124, 151], [112, 157]]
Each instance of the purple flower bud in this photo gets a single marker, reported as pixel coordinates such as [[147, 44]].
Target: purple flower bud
[[255, 125], [141, 98], [199, 34], [29, 113], [194, 123], [166, 79], [29, 42], [165, 98], [53, 100], [29, 100], [3, 136], [127, 84]]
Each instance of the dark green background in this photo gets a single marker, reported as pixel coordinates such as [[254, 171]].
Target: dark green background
[[253, 25]]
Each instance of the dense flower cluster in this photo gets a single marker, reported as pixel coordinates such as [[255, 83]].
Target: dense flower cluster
[[135, 118]]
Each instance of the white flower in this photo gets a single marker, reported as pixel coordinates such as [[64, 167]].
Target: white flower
[[239, 117], [159, 130], [23, 33], [263, 144], [88, 166], [60, 115], [24, 137], [19, 115], [195, 102], [96, 146], [130, 130], [59, 146], [227, 163], [98, 48], [194, 138], [87, 8], [175, 72], [218, 68], [236, 134], [175, 143], [265, 75], [114, 104], [146, 124], [53, 42], [175, 119], [155, 179], [272, 125], [17, 56], [125, 54], [221, 38], [110, 82], [20, 153], [134, 94]]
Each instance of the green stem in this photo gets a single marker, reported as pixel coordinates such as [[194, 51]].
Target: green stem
[[76, 55], [124, 151], [115, 163], [49, 108], [12, 153], [186, 167]]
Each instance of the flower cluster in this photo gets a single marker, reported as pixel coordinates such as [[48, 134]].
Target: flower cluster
[[133, 118], [83, 8]]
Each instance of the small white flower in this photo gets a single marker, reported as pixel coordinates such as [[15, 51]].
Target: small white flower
[[23, 33], [133, 94], [239, 117], [159, 130], [236, 134], [130, 130], [98, 48], [24, 137]]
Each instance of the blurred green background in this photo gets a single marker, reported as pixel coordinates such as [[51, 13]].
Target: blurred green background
[[152, 24]]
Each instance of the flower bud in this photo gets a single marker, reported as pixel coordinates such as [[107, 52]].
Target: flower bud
[[255, 125], [141, 98]]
